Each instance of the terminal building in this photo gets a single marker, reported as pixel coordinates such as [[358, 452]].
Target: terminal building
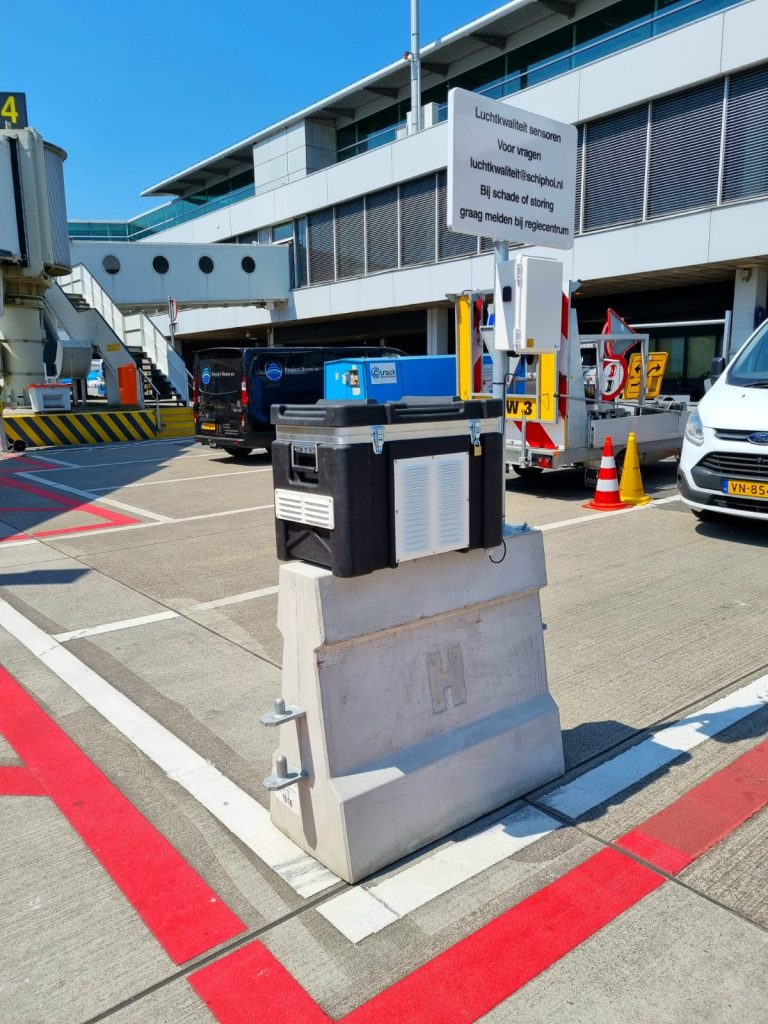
[[670, 98]]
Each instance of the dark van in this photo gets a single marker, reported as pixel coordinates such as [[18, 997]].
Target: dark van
[[235, 387]]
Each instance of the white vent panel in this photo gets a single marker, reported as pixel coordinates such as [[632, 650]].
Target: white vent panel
[[431, 505], [309, 509]]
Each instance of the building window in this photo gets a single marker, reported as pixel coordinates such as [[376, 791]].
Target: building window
[[111, 264], [248, 263], [746, 135], [206, 264], [160, 265], [350, 239], [417, 221], [283, 232], [614, 168], [381, 230], [685, 150]]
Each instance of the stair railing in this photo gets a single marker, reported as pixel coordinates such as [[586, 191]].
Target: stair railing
[[147, 380]]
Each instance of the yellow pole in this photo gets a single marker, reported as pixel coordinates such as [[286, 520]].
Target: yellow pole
[[464, 346]]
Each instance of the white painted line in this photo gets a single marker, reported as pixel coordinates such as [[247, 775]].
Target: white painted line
[[96, 497], [661, 748], [170, 522], [602, 515], [15, 543], [183, 479], [112, 627], [235, 809], [115, 462], [222, 602], [145, 620], [50, 458], [360, 912]]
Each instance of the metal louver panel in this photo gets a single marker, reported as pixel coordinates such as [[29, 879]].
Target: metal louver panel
[[431, 505], [449, 243], [57, 206], [685, 149], [746, 135], [381, 230], [320, 246], [579, 174], [613, 156], [452, 500], [417, 221], [350, 239], [309, 509]]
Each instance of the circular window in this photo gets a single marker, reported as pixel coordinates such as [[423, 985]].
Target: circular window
[[206, 264], [161, 264], [111, 264], [248, 263]]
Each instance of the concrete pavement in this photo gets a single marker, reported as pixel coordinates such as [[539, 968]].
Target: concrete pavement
[[650, 616]]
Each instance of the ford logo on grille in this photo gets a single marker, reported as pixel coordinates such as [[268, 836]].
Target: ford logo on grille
[[758, 438]]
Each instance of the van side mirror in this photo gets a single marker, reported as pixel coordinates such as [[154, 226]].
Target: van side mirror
[[718, 367]]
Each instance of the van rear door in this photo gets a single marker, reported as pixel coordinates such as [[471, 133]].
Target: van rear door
[[218, 376]]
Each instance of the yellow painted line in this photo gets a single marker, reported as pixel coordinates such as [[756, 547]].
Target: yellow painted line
[[37, 440], [72, 438], [131, 430], [98, 430]]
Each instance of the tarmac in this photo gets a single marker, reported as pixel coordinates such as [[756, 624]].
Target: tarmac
[[142, 881]]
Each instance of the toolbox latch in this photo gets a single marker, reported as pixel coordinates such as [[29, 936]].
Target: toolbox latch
[[377, 439]]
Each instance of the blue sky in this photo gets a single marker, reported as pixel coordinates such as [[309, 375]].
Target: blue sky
[[135, 90]]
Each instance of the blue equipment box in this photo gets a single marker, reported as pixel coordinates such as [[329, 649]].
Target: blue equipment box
[[389, 380]]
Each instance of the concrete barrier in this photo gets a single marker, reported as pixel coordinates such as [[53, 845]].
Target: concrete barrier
[[425, 697]]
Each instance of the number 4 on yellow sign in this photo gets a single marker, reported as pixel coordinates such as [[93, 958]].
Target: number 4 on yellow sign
[[654, 374], [9, 111]]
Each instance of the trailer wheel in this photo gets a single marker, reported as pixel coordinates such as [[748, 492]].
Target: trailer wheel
[[238, 453], [528, 472]]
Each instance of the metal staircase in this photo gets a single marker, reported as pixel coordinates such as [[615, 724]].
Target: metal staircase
[[164, 374]]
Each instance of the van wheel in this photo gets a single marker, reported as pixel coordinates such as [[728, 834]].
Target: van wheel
[[528, 472], [238, 453]]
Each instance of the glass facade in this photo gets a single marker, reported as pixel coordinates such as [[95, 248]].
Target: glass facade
[[598, 35], [234, 190]]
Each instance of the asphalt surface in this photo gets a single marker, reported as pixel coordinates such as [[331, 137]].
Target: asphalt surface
[[168, 548]]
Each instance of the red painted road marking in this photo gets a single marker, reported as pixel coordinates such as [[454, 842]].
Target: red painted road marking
[[183, 913], [16, 780], [466, 981], [676, 836], [23, 464], [108, 517]]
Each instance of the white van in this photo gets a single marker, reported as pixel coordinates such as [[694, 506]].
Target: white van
[[724, 462]]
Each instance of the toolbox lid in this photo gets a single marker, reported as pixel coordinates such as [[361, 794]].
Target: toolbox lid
[[331, 414]]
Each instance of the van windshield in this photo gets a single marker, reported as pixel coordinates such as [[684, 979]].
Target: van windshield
[[750, 368]]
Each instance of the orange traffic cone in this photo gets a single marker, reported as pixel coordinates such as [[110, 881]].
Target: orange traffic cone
[[606, 497]]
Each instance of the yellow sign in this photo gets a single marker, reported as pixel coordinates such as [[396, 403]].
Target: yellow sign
[[521, 406], [113, 347], [654, 374], [747, 488]]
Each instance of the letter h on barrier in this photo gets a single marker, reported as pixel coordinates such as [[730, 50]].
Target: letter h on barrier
[[441, 680]]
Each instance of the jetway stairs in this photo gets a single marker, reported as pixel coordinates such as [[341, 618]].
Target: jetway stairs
[[165, 375]]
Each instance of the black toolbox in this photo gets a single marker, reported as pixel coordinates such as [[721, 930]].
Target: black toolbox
[[361, 486]]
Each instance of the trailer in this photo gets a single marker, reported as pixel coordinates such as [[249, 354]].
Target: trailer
[[562, 405]]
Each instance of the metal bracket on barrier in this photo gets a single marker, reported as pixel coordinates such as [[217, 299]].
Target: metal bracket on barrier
[[377, 439], [281, 713], [282, 777]]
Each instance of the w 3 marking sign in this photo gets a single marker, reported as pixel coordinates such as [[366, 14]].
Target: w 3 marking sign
[[521, 407]]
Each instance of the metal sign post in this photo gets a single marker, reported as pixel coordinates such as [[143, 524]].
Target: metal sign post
[[511, 177]]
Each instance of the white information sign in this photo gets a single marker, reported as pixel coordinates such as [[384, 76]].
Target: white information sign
[[511, 174]]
